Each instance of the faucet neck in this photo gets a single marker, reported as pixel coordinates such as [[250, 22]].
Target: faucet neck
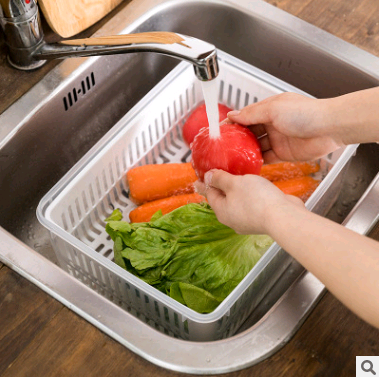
[[201, 54]]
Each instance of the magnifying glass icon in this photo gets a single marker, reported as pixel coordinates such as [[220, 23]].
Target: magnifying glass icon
[[368, 366]]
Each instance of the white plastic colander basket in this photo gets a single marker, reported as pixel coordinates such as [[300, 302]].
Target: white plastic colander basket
[[75, 208]]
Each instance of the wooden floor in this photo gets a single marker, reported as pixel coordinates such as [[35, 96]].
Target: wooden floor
[[41, 337]]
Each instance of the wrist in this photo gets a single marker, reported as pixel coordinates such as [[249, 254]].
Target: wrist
[[352, 118], [287, 208], [332, 120]]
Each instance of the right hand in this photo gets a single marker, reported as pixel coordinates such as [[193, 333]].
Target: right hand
[[290, 127]]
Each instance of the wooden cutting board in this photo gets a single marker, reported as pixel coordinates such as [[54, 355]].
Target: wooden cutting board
[[70, 17]]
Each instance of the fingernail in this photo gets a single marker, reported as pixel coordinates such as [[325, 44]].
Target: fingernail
[[234, 113], [225, 121], [208, 178]]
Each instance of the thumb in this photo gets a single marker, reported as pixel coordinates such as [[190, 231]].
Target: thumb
[[215, 196], [256, 113], [219, 179]]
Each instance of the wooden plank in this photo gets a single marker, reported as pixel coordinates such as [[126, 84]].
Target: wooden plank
[[355, 21], [291, 6], [71, 17], [70, 346], [24, 311]]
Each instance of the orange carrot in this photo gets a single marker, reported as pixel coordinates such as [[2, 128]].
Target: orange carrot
[[288, 170], [302, 187], [157, 181], [144, 212]]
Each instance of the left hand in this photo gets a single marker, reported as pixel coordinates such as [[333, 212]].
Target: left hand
[[245, 203]]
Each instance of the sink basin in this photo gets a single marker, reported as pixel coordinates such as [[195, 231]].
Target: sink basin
[[50, 128]]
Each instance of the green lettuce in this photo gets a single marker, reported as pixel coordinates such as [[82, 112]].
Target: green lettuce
[[187, 254]]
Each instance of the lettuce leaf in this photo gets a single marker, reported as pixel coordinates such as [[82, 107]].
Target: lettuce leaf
[[187, 254]]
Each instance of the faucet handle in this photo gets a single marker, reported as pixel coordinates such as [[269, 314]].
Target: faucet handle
[[17, 9]]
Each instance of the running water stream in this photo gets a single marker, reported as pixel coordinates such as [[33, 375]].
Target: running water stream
[[210, 92]]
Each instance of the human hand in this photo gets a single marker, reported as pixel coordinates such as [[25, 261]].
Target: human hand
[[290, 127], [245, 203]]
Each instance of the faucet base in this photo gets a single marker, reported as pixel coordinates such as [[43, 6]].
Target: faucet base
[[33, 65]]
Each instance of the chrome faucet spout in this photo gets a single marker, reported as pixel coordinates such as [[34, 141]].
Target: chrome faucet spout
[[201, 54], [28, 50]]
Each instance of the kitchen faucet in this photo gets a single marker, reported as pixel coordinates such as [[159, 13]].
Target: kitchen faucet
[[24, 37]]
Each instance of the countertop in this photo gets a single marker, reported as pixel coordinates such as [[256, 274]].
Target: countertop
[[41, 337]]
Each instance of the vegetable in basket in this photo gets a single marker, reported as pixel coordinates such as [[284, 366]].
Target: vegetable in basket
[[283, 171], [187, 254], [199, 119], [301, 187], [145, 212], [158, 181], [236, 151]]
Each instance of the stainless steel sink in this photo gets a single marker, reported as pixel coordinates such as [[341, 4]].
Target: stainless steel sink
[[50, 128]]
